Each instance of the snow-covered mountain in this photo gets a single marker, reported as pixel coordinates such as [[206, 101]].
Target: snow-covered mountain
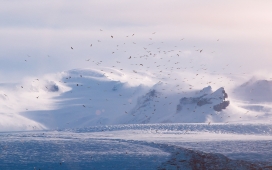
[[92, 99], [89, 97], [95, 99], [255, 95], [255, 90]]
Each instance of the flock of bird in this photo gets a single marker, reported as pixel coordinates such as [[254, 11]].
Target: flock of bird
[[168, 65]]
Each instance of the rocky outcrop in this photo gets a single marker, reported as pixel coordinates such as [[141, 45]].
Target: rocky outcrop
[[216, 99]]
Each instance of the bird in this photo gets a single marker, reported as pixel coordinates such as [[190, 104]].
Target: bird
[[129, 57], [72, 48], [111, 36]]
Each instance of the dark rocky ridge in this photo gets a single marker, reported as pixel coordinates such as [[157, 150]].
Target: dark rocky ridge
[[217, 99], [187, 159]]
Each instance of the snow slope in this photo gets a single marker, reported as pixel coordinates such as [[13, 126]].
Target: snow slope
[[93, 99]]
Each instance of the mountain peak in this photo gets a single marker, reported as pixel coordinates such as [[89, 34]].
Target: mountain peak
[[215, 99]]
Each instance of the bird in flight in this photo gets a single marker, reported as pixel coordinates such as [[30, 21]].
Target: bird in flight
[[111, 36], [72, 48]]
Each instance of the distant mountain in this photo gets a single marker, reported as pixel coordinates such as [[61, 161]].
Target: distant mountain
[[255, 95], [255, 90]]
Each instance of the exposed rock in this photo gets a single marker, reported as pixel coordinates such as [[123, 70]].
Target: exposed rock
[[219, 107], [52, 87], [206, 97]]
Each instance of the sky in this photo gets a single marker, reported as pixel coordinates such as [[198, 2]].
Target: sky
[[36, 36]]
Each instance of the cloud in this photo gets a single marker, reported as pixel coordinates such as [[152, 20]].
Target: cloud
[[42, 29]]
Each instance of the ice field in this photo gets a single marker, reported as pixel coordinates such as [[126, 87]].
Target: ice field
[[140, 147]]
